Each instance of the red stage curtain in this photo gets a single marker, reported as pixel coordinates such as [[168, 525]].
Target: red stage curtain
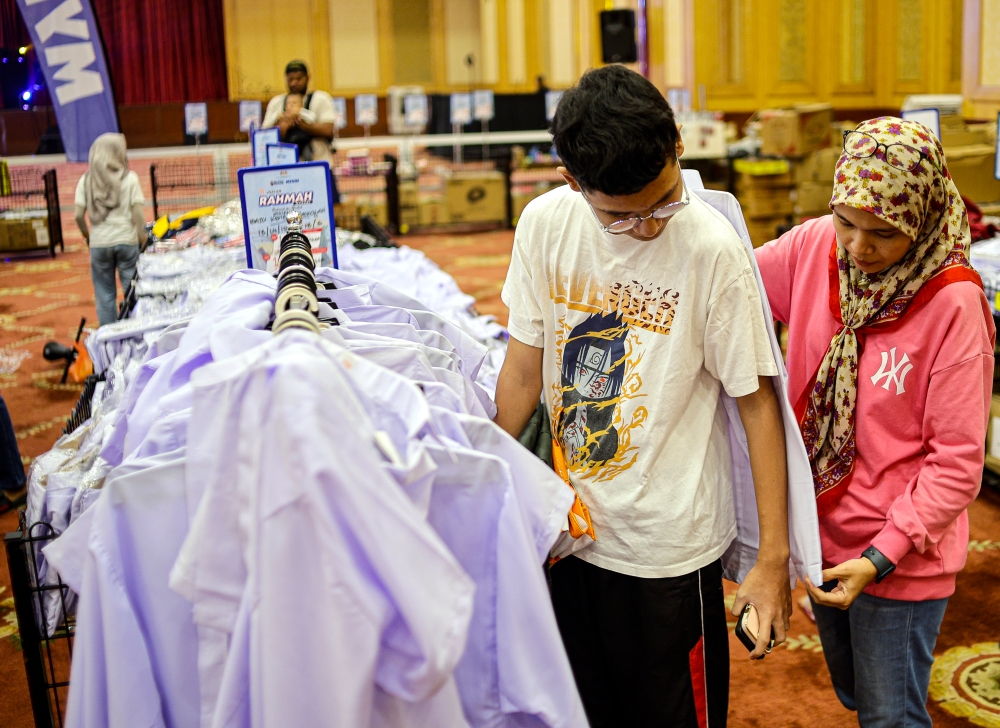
[[158, 50], [164, 50]]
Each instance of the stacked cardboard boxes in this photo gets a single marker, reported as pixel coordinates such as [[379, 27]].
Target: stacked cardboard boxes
[[409, 205], [476, 197], [795, 131], [19, 231], [812, 176], [764, 189]]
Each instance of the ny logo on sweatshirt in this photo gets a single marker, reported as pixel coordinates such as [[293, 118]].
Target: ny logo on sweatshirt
[[893, 372]]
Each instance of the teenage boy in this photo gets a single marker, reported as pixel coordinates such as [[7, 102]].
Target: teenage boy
[[632, 304]]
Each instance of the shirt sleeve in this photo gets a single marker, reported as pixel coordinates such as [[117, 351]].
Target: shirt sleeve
[[954, 433], [135, 190], [322, 105], [525, 322], [737, 345], [776, 261], [80, 199], [274, 108]]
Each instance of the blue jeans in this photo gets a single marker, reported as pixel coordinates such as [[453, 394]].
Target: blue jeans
[[880, 653], [103, 262]]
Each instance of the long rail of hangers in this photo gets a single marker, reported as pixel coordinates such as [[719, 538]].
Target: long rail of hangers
[[296, 304]]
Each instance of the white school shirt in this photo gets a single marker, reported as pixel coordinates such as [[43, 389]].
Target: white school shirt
[[639, 338], [803, 523], [295, 470], [519, 668], [117, 228], [135, 652]]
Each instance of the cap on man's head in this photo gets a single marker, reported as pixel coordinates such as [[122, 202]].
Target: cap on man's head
[[294, 66]]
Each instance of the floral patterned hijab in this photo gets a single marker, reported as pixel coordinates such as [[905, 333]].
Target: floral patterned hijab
[[924, 204]]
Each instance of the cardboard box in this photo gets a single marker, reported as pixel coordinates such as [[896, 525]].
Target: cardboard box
[[377, 211], [476, 197], [408, 194], [812, 197], [345, 215], [432, 212], [972, 169], [816, 167], [766, 202], [764, 230], [795, 131], [24, 233], [993, 436]]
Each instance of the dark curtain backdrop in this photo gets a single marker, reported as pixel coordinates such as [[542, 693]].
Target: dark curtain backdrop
[[159, 51]]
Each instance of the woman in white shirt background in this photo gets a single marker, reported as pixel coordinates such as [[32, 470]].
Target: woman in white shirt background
[[110, 195]]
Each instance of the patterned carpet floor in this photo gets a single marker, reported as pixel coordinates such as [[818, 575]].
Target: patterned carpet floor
[[43, 299]]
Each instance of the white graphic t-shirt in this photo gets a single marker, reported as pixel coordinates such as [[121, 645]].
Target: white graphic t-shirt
[[639, 336]]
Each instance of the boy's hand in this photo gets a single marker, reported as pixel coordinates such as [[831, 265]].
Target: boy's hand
[[767, 587]]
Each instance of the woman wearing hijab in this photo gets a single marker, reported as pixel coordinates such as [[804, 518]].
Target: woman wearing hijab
[[110, 195], [890, 353]]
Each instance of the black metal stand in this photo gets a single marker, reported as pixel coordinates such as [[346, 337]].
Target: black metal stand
[[47, 657]]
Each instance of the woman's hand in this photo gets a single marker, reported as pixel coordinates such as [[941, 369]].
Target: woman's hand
[[852, 578]]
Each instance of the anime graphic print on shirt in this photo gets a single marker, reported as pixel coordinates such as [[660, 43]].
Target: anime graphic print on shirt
[[600, 359]]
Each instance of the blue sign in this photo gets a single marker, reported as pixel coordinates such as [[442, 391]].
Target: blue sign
[[259, 140], [69, 51], [268, 194], [281, 153]]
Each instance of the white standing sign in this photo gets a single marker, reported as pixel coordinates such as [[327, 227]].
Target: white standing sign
[[551, 102], [461, 109], [259, 140], [415, 110], [268, 194], [250, 115], [339, 112], [196, 119], [483, 105], [996, 161], [282, 154], [366, 110]]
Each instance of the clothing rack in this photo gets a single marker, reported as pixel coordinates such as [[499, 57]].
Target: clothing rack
[[81, 413]]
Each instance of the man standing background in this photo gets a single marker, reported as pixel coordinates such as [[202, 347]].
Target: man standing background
[[315, 117]]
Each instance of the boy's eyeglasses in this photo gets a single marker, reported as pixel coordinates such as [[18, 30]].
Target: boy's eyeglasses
[[628, 224], [860, 145]]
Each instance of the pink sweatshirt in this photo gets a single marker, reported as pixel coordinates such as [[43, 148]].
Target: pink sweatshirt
[[924, 389]]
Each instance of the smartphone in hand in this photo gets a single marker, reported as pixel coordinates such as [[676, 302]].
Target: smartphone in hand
[[748, 628]]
